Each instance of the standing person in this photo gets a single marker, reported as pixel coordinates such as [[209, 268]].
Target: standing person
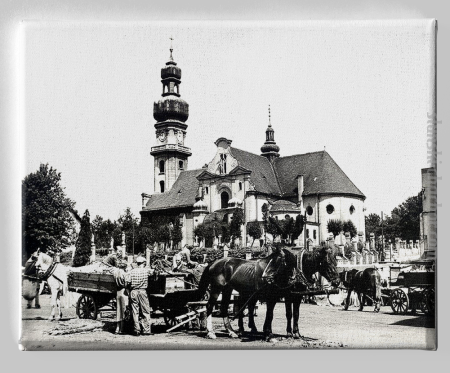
[[138, 280]]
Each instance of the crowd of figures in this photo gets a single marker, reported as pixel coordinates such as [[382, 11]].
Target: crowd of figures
[[283, 274]]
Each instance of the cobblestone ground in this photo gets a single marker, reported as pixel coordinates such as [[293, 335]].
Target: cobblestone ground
[[325, 326]]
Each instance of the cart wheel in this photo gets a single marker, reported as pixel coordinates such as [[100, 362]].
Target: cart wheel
[[429, 301], [399, 301], [169, 318], [86, 307]]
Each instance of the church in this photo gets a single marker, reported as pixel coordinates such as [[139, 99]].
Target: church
[[310, 184]]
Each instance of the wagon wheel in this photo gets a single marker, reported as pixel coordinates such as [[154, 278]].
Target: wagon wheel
[[428, 300], [399, 301], [86, 307], [169, 317]]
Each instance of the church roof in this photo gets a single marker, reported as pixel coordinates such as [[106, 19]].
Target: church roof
[[321, 174], [182, 193], [263, 176]]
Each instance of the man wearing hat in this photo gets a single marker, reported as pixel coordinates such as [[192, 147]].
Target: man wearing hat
[[138, 281]]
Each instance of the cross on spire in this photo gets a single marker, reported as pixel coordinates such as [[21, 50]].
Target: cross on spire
[[171, 48], [270, 125]]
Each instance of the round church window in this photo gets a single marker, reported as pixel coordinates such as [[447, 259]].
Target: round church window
[[352, 209], [309, 210], [330, 209]]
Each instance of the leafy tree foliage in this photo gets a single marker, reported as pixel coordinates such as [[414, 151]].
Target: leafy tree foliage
[[83, 244], [103, 231], [373, 225], [235, 225], [46, 218], [254, 230], [334, 226], [129, 225], [348, 226], [298, 226]]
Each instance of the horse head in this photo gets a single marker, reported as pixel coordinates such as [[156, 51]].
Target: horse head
[[327, 265], [281, 267], [43, 262]]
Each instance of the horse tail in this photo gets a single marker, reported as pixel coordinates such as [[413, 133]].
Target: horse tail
[[203, 283]]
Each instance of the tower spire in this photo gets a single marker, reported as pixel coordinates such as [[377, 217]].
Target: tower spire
[[270, 149]]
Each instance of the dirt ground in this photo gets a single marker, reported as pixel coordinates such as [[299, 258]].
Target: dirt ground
[[324, 325]]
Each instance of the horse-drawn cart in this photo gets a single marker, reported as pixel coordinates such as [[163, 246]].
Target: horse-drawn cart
[[414, 291], [169, 294]]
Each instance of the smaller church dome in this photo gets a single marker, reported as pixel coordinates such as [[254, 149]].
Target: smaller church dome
[[170, 71], [270, 147]]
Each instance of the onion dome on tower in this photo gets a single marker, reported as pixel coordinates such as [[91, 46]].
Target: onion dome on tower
[[171, 107], [270, 149]]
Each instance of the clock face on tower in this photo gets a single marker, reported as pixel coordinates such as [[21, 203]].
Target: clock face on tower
[[162, 136], [180, 137]]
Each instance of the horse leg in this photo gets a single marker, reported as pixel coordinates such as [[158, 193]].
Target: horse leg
[[226, 296], [240, 316], [296, 306], [268, 336], [288, 309], [58, 307], [209, 308], [347, 301], [251, 316], [53, 304], [361, 297]]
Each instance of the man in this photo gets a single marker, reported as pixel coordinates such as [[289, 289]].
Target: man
[[138, 281]]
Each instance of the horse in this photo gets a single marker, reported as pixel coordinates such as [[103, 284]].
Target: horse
[[56, 276], [366, 284], [321, 260], [249, 277]]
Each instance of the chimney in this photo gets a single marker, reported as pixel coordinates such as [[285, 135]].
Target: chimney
[[300, 188]]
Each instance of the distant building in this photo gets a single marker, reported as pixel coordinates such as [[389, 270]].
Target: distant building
[[428, 217], [311, 184]]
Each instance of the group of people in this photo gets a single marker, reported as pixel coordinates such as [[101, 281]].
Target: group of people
[[132, 283]]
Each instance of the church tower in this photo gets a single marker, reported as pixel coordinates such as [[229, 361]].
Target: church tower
[[270, 149], [170, 112]]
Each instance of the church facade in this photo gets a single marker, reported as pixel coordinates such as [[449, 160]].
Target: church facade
[[310, 184]]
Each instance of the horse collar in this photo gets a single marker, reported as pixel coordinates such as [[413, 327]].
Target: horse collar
[[300, 260], [49, 271]]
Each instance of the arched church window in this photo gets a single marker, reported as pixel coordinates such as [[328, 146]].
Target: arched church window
[[330, 209], [161, 166], [161, 186], [309, 210], [352, 209], [240, 186], [224, 197], [180, 165]]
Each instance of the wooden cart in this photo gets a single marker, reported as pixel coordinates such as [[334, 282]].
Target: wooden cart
[[414, 291]]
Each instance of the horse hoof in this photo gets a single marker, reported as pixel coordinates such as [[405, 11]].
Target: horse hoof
[[290, 335], [360, 309], [297, 335], [211, 335], [233, 335]]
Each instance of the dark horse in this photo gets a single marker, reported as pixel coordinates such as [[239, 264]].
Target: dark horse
[[320, 260], [365, 283], [250, 278]]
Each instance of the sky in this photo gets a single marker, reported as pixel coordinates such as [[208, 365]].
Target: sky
[[360, 90]]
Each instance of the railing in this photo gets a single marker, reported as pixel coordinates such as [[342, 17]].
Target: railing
[[181, 148]]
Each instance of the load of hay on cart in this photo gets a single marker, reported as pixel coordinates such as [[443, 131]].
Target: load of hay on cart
[[414, 290], [170, 295]]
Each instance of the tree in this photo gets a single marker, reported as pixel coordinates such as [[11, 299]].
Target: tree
[[334, 226], [103, 231], [46, 212], [274, 227], [129, 225], [373, 225], [83, 244], [265, 212], [254, 230], [348, 226], [298, 226], [235, 225], [405, 218]]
